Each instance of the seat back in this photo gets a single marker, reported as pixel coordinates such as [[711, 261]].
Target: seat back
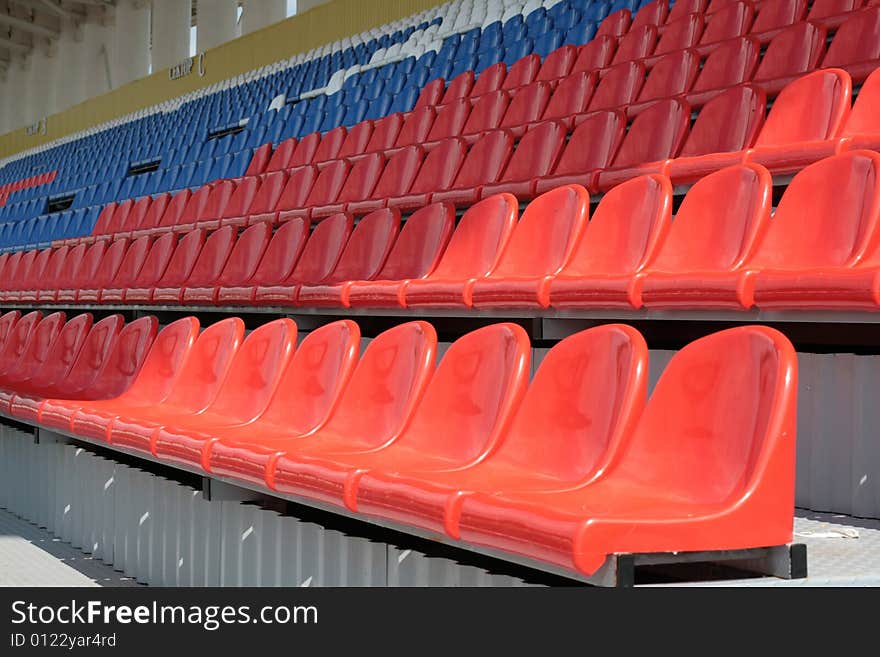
[[827, 216], [323, 249], [218, 199], [720, 421], [439, 167], [280, 159], [595, 54], [270, 191], [305, 150], [431, 93], [108, 266], [490, 79], [36, 347], [416, 126], [615, 24], [7, 322], [255, 371], [656, 134], [386, 385], [731, 63], [728, 122], [125, 359], [776, 14], [180, 265], [857, 40], [88, 266], [476, 388], [282, 253], [130, 267], [176, 208], [245, 255], [330, 144], [619, 86], [571, 96], [720, 222], [385, 132], [864, 118], [362, 178], [450, 119], [485, 160], [459, 87], [63, 352], [163, 363], [547, 233], [795, 50], [212, 258], [399, 173], [154, 215], [682, 33], [420, 244], [527, 105], [813, 107], [486, 113], [158, 258], [636, 44], [557, 64], [733, 20], [367, 248], [92, 355], [581, 406], [626, 230], [296, 190], [310, 388], [593, 144], [328, 183], [522, 72], [827, 8], [206, 366], [672, 75]]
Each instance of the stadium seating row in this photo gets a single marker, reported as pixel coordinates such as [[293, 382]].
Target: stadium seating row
[[559, 470], [820, 250]]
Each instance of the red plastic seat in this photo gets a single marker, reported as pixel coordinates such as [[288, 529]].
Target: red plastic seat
[[777, 14], [34, 353], [731, 63], [579, 411], [619, 86], [396, 179], [105, 219], [831, 13], [803, 122], [326, 189], [450, 119], [535, 156], [431, 93], [318, 259], [87, 270], [203, 373], [483, 165], [259, 160], [205, 271], [293, 196], [108, 267], [591, 147], [652, 13], [476, 388], [307, 395], [489, 79], [362, 259], [166, 270], [459, 87], [615, 24], [733, 20], [557, 64], [17, 342], [203, 212], [415, 255], [541, 245], [621, 239], [359, 185], [135, 217], [683, 8], [153, 216], [305, 150], [153, 383], [280, 257], [119, 368], [486, 113], [30, 273], [241, 264], [862, 128], [66, 275], [385, 132], [570, 96], [148, 274], [356, 139], [820, 250], [174, 212], [522, 72], [81, 373], [56, 365], [716, 230], [248, 388], [710, 466], [330, 145], [436, 174], [119, 218], [9, 271], [237, 207], [792, 52], [263, 202], [595, 54], [280, 159], [856, 45], [672, 75], [416, 127], [726, 126], [680, 34], [656, 135], [7, 322], [473, 253], [526, 106], [638, 43], [126, 274]]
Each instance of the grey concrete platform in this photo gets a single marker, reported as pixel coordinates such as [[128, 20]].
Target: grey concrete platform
[[30, 556]]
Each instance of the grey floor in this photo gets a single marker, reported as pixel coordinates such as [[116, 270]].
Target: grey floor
[[30, 556]]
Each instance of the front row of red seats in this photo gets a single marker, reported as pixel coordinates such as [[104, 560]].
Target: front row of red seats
[[566, 469], [810, 119], [820, 249]]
